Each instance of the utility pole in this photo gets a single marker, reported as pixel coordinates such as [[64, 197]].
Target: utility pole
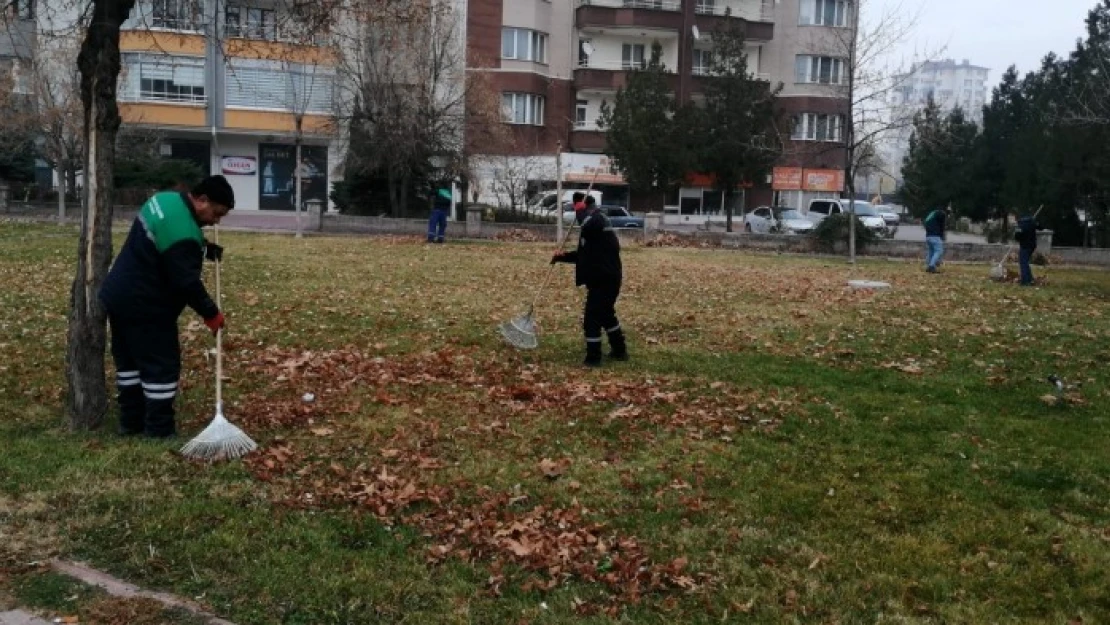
[[558, 191]]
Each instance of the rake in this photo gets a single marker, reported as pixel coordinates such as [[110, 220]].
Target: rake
[[520, 332], [221, 440]]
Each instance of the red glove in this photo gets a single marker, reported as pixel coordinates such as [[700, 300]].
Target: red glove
[[215, 324]]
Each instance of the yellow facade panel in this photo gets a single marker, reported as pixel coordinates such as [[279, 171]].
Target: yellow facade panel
[[161, 42], [279, 51], [162, 114], [273, 121]]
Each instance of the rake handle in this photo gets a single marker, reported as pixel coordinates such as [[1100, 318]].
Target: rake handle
[[219, 334]]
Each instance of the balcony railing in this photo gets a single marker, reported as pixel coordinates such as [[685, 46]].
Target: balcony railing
[[752, 11], [656, 5], [699, 70], [617, 66]]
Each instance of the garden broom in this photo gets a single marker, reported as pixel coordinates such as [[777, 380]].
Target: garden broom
[[221, 440]]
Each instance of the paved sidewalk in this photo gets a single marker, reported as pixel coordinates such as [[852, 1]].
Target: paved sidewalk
[[114, 587], [19, 617]]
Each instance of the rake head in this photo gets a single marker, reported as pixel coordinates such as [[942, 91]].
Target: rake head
[[998, 272], [520, 332], [219, 441]]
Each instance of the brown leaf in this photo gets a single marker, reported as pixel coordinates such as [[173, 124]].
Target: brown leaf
[[323, 431], [553, 469]]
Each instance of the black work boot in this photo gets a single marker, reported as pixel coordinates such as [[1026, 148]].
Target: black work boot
[[618, 348], [160, 416], [593, 354], [132, 409]]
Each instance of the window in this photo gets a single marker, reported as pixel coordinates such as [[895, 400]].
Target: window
[[250, 22], [175, 14], [21, 78], [24, 9], [583, 56], [817, 127], [523, 108], [821, 69], [703, 60], [580, 113], [826, 13], [521, 44], [707, 7], [162, 78], [278, 86], [632, 56]]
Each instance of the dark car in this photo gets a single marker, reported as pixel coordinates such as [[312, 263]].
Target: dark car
[[618, 216]]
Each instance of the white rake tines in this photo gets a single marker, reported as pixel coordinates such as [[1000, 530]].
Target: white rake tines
[[520, 332], [219, 441]]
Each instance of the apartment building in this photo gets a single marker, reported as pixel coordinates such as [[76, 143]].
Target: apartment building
[[229, 85], [17, 41], [555, 63], [948, 83]]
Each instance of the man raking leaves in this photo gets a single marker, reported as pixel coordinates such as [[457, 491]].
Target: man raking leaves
[[156, 275], [597, 267]]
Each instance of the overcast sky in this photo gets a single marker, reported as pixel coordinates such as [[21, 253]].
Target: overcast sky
[[991, 33]]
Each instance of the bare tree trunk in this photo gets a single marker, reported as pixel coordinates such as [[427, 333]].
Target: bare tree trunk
[[728, 209], [99, 63], [61, 190], [404, 193], [297, 173], [394, 204]]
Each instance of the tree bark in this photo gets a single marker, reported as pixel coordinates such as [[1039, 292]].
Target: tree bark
[[61, 191], [297, 173], [728, 209], [99, 64]]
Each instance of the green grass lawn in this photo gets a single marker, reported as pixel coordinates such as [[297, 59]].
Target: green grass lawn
[[780, 449]]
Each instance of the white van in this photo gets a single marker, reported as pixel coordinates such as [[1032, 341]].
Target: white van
[[820, 209], [544, 203]]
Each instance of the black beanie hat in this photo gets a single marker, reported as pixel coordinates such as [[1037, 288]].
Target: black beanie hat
[[217, 189]]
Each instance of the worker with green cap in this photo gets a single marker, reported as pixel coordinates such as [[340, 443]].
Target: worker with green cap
[[437, 223], [155, 276]]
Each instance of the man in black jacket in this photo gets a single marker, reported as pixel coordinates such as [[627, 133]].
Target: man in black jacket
[[597, 267], [157, 274], [1026, 236]]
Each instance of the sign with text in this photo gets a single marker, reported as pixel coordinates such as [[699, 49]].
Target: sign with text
[[239, 165], [831, 180], [786, 179]]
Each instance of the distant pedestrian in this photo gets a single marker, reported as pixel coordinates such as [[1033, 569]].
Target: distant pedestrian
[[437, 223], [1026, 236], [936, 232]]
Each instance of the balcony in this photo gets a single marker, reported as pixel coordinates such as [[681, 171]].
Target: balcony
[[756, 16], [587, 137], [609, 76], [750, 10], [663, 14]]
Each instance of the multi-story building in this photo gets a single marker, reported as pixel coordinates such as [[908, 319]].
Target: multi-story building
[[555, 63], [17, 42], [231, 85], [948, 83]]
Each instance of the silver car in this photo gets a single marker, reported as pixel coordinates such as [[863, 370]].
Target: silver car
[[768, 220]]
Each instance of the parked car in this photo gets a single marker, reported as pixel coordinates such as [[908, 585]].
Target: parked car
[[768, 219], [544, 203], [889, 215], [618, 216], [820, 209]]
